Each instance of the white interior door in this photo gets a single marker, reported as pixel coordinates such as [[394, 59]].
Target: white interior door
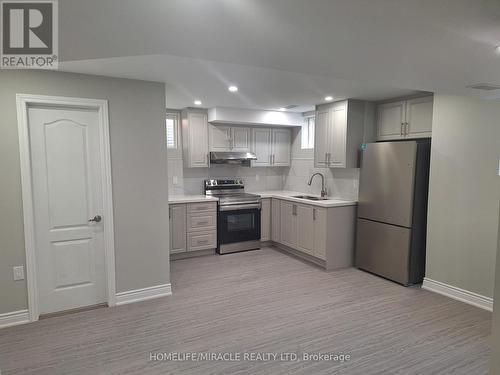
[[67, 192]]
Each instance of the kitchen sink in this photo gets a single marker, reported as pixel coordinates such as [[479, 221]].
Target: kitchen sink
[[310, 197]]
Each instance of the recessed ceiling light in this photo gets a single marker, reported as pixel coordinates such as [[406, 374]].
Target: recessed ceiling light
[[197, 102], [233, 88], [328, 98], [497, 50], [282, 109]]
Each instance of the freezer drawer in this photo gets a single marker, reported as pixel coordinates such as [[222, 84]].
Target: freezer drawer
[[384, 250], [386, 185]]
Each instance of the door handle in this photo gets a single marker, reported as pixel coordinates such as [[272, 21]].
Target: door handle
[[96, 219]]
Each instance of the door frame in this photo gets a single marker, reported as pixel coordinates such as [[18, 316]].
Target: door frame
[[24, 102]]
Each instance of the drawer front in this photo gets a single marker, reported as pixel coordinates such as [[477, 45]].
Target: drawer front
[[201, 221], [202, 207], [202, 240]]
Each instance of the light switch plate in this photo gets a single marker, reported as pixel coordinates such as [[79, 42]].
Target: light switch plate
[[18, 273]]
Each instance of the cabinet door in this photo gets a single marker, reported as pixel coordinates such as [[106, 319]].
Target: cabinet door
[[240, 139], [198, 140], [320, 232], [321, 138], [419, 117], [220, 138], [305, 229], [288, 224], [262, 147], [390, 120], [281, 147], [177, 216], [265, 220], [276, 220], [337, 134]]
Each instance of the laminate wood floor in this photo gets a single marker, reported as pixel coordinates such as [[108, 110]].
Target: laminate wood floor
[[260, 301]]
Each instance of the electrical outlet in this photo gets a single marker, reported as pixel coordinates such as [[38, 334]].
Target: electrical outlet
[[18, 273]]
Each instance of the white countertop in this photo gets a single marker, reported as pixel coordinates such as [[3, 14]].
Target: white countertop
[[288, 195], [190, 199], [281, 194]]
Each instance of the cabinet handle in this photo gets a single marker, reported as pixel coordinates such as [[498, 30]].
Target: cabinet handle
[[326, 158], [202, 222], [314, 214], [200, 242], [401, 131], [294, 210], [270, 159], [407, 130], [170, 212]]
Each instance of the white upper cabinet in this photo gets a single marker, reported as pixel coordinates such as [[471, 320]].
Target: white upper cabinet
[[240, 139], [220, 138], [405, 119], [282, 139], [390, 120], [419, 117], [228, 138], [339, 134], [195, 138], [321, 144], [338, 131], [262, 147], [272, 147]]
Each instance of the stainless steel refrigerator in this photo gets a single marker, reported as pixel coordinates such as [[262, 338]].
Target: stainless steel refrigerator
[[392, 210]]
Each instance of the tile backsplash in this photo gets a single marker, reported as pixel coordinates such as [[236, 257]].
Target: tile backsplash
[[190, 180], [340, 183]]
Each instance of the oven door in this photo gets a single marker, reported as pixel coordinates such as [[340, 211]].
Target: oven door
[[238, 223]]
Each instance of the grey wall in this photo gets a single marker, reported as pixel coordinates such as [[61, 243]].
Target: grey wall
[[464, 193], [138, 158], [495, 337]]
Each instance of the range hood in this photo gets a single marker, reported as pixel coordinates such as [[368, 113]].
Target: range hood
[[229, 157]]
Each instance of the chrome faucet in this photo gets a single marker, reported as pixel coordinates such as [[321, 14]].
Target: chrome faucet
[[323, 189]]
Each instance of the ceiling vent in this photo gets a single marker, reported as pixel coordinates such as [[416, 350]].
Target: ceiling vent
[[484, 87], [291, 106]]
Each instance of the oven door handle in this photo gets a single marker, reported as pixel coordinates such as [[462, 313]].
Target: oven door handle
[[239, 207]]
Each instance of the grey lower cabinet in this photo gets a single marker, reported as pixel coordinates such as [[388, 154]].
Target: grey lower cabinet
[[265, 220], [275, 220], [193, 227], [177, 219], [322, 235]]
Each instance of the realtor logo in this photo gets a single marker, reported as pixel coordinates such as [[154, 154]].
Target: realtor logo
[[29, 37]]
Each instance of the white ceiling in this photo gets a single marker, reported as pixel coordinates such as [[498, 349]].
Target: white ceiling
[[284, 52]]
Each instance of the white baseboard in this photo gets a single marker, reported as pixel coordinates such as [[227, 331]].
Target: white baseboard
[[14, 318], [143, 294], [458, 294]]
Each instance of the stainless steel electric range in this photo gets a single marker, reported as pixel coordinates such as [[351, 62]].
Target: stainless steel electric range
[[238, 215]]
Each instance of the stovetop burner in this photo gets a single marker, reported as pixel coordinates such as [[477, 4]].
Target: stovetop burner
[[230, 191]]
